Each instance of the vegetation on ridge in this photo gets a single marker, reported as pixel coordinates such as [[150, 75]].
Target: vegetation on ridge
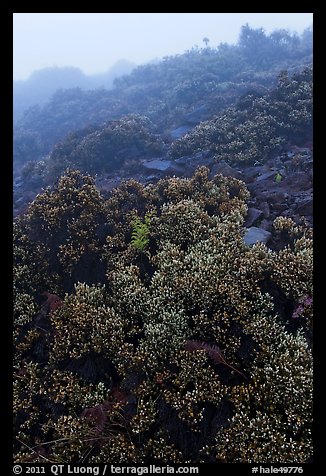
[[257, 125], [166, 92]]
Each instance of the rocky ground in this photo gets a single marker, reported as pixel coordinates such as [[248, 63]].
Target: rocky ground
[[283, 186]]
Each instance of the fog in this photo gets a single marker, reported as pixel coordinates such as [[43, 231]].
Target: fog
[[94, 42]]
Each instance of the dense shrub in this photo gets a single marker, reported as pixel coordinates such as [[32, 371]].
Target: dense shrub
[[191, 349], [99, 149], [257, 125]]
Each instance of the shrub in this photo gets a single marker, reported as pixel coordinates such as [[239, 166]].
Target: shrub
[[186, 353]]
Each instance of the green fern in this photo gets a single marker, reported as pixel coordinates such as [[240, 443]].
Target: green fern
[[140, 232]]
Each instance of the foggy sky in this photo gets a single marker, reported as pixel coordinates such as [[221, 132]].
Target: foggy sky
[[95, 41]]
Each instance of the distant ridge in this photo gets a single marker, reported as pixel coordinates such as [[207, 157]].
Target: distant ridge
[[43, 83]]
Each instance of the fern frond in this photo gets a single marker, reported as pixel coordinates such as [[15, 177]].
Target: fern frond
[[140, 232], [104, 419], [213, 351]]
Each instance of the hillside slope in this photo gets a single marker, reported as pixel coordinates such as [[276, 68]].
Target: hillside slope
[[163, 263], [182, 89], [42, 84]]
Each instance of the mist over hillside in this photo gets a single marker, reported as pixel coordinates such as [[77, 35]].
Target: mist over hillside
[[42, 84], [205, 80]]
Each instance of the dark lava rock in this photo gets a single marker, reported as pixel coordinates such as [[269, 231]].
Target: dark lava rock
[[278, 208], [275, 163], [266, 225], [183, 160], [254, 235], [252, 216], [158, 164], [201, 158], [266, 176], [162, 165], [179, 132], [187, 165], [198, 115], [224, 169], [305, 207], [250, 173], [274, 197], [297, 181], [106, 185], [151, 178], [264, 207]]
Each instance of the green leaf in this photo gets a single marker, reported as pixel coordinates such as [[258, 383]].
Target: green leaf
[[140, 232]]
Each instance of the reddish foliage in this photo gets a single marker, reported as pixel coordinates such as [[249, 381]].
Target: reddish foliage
[[53, 301], [119, 396], [161, 377], [304, 302], [98, 415], [213, 351]]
